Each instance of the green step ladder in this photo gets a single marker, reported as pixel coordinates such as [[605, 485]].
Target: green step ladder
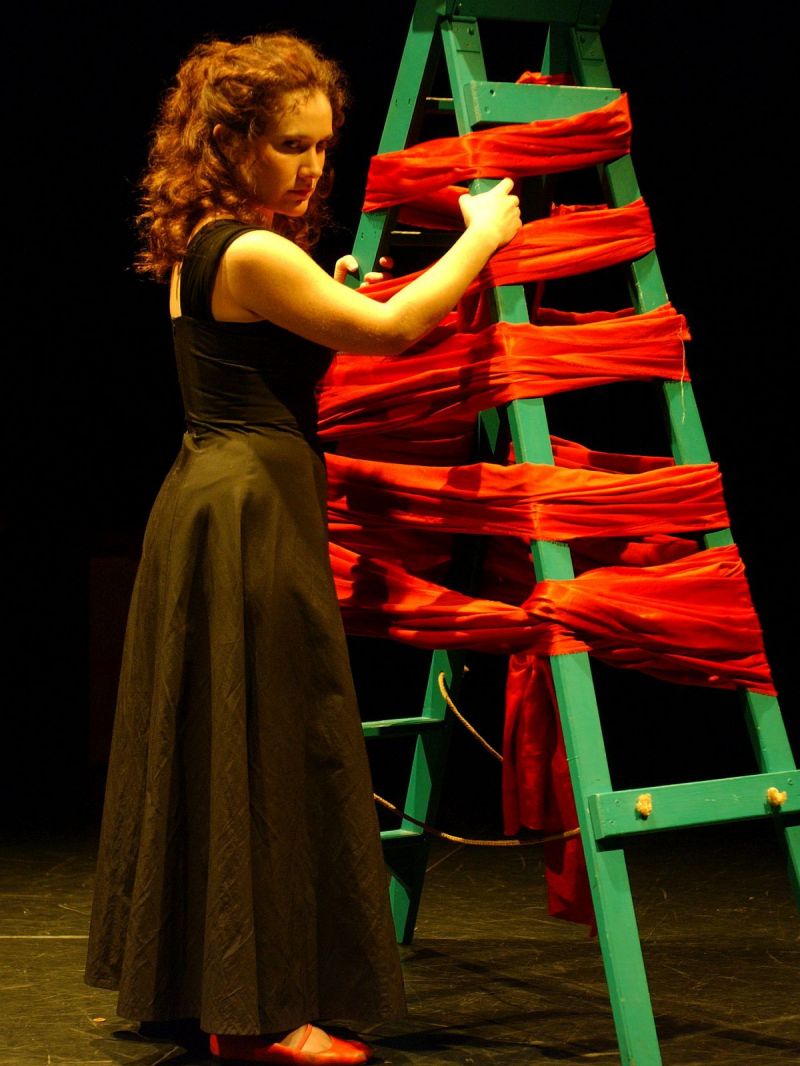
[[450, 29]]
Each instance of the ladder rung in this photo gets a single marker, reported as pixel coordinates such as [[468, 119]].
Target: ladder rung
[[566, 12], [507, 102], [693, 803], [400, 726], [401, 837]]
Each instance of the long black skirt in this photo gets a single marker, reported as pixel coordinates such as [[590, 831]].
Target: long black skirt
[[240, 878]]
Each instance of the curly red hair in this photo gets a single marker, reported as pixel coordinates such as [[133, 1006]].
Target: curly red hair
[[241, 87]]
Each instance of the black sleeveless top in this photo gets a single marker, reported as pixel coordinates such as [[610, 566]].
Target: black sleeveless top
[[240, 375]]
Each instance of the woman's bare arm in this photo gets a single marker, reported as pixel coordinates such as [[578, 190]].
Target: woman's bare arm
[[270, 278]]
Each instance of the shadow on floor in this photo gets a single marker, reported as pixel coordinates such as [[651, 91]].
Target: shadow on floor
[[490, 977]]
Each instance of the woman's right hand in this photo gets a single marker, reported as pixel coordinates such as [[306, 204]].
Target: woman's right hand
[[269, 277], [496, 211]]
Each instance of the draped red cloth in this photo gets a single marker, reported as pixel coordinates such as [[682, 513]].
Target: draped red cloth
[[536, 77], [508, 575], [645, 596], [537, 792], [452, 376], [435, 210], [561, 245], [546, 146], [421, 541], [526, 500], [689, 621]]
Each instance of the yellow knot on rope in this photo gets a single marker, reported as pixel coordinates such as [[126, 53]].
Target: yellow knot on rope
[[644, 805], [776, 798]]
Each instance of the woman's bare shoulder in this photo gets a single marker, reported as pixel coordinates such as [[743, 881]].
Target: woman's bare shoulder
[[252, 243]]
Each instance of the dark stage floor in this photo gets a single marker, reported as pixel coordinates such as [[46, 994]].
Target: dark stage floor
[[490, 978]]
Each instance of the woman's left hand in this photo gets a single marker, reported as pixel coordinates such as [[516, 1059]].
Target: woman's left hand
[[348, 264]]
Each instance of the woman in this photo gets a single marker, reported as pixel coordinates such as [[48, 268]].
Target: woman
[[240, 878]]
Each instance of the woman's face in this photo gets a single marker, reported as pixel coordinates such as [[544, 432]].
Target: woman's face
[[287, 162]]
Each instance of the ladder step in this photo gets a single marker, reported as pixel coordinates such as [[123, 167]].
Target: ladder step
[[401, 726], [566, 12], [694, 803], [503, 102], [401, 837]]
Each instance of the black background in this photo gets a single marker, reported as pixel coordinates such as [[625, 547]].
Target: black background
[[93, 413]]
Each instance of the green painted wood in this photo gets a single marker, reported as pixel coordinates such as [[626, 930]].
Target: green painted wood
[[556, 50], [768, 733], [393, 727], [604, 816], [423, 793], [693, 803], [569, 12], [774, 754], [688, 441], [504, 102], [399, 837], [792, 838], [414, 77], [611, 895], [406, 109], [407, 861], [369, 244], [617, 928], [687, 437]]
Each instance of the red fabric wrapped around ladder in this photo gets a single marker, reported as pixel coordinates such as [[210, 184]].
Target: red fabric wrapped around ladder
[[453, 375], [662, 607], [547, 146]]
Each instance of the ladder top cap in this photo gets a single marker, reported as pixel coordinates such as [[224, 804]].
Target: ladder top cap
[[587, 13]]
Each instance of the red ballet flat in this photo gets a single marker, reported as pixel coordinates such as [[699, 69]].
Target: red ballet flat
[[255, 1049]]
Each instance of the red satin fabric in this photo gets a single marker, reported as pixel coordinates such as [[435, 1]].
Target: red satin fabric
[[689, 621], [535, 77], [563, 245], [547, 146], [435, 210], [645, 595], [450, 377], [532, 502], [537, 792], [508, 575]]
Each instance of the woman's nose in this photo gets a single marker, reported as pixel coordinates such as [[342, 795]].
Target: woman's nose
[[314, 162]]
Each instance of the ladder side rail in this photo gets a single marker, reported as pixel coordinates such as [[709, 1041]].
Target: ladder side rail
[[611, 893], [406, 848], [573, 43], [763, 717], [408, 861], [773, 752], [425, 784], [418, 63], [648, 290]]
